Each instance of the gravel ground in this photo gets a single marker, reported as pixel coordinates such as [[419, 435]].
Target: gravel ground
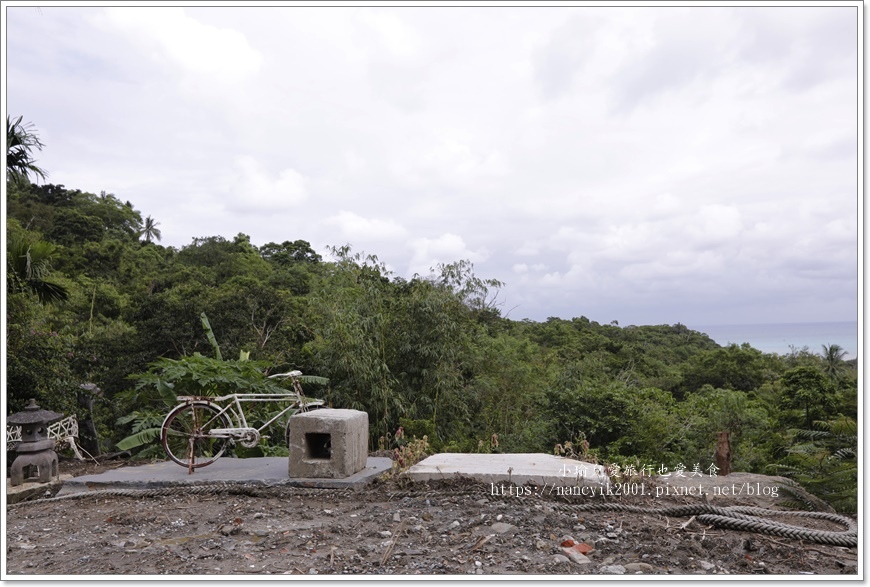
[[391, 527]]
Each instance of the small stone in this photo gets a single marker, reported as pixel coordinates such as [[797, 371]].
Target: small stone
[[576, 557], [453, 525], [502, 527], [706, 565], [498, 518], [385, 533], [613, 570], [312, 571], [561, 558], [639, 568], [397, 517]]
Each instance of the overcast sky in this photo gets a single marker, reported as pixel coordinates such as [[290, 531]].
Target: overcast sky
[[646, 165]]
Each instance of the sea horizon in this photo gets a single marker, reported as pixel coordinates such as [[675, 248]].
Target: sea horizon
[[781, 337]]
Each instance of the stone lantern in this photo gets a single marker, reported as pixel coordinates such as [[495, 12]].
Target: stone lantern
[[36, 459]]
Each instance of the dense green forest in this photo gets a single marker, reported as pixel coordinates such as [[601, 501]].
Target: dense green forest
[[94, 298]]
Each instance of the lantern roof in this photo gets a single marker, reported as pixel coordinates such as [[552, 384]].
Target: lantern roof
[[33, 414]]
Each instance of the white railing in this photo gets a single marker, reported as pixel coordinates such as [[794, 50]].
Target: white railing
[[63, 431]]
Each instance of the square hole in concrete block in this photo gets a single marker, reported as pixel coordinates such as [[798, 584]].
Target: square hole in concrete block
[[319, 445]]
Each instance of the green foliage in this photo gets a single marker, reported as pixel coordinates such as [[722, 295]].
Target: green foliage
[[733, 367], [349, 319], [150, 230], [431, 354], [417, 428], [807, 388], [211, 338], [28, 267], [38, 358], [833, 364], [197, 375], [145, 429], [709, 411], [577, 449], [824, 461], [290, 253], [407, 451], [21, 142]]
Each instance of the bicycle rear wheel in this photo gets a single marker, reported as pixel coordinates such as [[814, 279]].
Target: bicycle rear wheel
[[185, 434]]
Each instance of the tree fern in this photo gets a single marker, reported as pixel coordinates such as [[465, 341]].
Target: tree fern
[[824, 461]]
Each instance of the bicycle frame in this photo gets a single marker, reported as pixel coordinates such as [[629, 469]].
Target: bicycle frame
[[236, 412], [199, 429]]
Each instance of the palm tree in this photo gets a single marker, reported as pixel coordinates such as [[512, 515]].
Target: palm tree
[[833, 359], [150, 230], [21, 140], [28, 268]]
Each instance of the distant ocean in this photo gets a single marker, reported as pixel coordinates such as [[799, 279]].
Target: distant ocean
[[777, 338]]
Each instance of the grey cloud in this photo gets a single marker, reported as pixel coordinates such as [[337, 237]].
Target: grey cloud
[[803, 46], [688, 45], [557, 62]]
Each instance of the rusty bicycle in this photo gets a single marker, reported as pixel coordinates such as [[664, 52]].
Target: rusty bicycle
[[200, 429]]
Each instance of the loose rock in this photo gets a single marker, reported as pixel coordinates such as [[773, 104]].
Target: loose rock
[[639, 567], [613, 570]]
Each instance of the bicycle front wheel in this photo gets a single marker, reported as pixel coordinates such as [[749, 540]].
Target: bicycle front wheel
[[185, 434]]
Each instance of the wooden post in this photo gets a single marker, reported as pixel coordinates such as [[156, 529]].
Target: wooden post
[[723, 453]]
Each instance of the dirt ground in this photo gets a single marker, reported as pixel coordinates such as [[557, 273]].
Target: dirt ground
[[391, 527]]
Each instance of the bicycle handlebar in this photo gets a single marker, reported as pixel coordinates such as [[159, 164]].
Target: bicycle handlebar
[[293, 374]]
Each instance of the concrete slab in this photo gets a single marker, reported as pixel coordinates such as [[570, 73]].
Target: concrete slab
[[257, 471], [33, 490], [535, 468]]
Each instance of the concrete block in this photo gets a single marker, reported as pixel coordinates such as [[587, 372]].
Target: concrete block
[[328, 443]]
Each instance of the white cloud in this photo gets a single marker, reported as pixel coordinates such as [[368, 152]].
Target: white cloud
[[715, 225], [641, 161], [447, 248], [357, 229], [193, 46], [255, 190], [393, 33]]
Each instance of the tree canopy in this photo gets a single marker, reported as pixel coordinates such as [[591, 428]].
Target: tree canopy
[[93, 297]]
